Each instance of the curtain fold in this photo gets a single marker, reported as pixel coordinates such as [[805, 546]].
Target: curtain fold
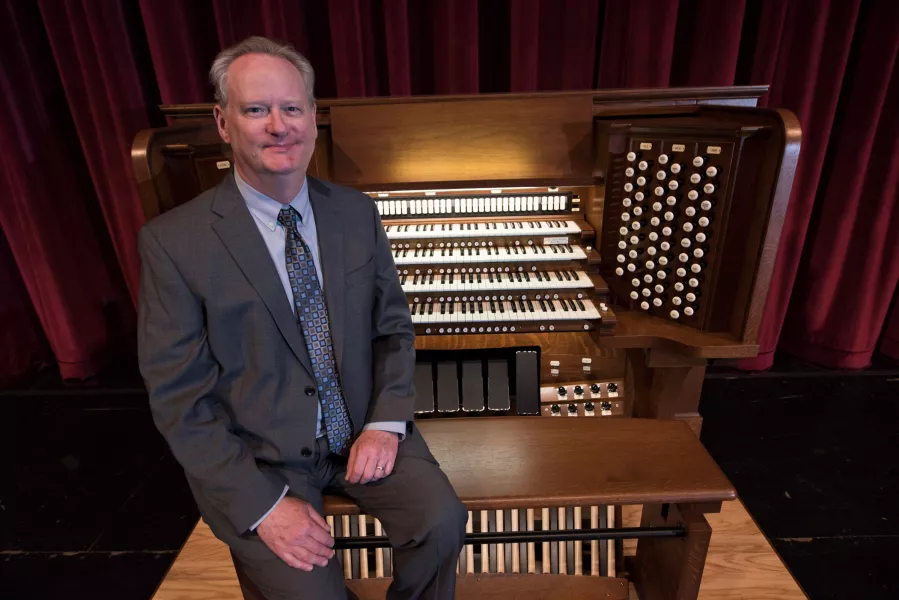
[[49, 213], [92, 48], [79, 78], [23, 347], [811, 58], [853, 242]]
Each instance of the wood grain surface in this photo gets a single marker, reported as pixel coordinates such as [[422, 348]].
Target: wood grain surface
[[507, 464]]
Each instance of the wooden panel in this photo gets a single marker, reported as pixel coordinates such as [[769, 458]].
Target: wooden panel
[[507, 465], [463, 140], [513, 587], [738, 95]]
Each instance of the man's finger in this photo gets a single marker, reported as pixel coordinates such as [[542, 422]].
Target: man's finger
[[370, 471], [295, 562], [324, 539], [312, 550], [318, 519], [355, 474], [309, 558], [351, 461], [388, 468]]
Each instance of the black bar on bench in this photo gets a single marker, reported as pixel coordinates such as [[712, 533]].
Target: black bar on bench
[[516, 537]]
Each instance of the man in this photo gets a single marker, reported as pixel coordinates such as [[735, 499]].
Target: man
[[278, 350]]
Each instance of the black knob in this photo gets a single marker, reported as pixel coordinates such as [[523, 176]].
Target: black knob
[[563, 391], [309, 391], [572, 409], [589, 407], [594, 388], [556, 409], [606, 405], [306, 452], [578, 389], [612, 387]]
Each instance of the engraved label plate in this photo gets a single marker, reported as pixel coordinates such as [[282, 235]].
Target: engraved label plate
[[645, 146], [223, 164], [713, 150], [555, 241], [678, 147]]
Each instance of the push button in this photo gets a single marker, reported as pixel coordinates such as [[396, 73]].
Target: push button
[[309, 391], [306, 452]]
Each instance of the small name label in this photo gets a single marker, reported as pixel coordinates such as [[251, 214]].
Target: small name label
[[645, 146], [713, 150], [223, 164], [678, 147], [555, 241]]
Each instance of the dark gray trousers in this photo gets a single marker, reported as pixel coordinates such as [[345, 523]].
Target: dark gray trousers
[[422, 517]]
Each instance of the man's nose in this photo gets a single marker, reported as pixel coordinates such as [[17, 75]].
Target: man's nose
[[276, 124]]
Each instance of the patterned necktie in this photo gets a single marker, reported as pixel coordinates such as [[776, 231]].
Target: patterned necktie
[[313, 318]]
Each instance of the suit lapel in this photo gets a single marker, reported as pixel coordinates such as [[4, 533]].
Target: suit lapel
[[240, 236], [330, 244]]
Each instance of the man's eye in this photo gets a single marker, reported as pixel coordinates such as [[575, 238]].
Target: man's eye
[[255, 110], [294, 110]]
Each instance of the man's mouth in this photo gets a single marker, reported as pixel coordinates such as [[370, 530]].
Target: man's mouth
[[280, 147]]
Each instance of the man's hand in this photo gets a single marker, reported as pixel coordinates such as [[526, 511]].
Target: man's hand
[[372, 449], [297, 534]]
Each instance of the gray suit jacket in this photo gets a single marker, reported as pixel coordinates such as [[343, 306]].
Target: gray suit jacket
[[225, 362]]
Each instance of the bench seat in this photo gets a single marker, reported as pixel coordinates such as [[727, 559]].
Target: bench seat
[[523, 462]]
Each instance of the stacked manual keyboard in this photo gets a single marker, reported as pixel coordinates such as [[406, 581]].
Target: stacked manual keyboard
[[496, 263]]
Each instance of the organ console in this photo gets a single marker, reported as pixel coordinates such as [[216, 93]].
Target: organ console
[[610, 238], [575, 254]]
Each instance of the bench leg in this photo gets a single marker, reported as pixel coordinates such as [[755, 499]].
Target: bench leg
[[671, 568]]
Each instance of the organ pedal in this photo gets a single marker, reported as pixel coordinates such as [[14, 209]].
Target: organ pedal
[[558, 558]]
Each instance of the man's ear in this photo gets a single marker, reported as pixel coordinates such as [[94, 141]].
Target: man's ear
[[219, 113]]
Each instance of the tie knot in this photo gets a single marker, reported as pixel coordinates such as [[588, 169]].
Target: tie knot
[[288, 217]]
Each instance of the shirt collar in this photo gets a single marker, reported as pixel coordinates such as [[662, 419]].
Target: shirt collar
[[265, 208]]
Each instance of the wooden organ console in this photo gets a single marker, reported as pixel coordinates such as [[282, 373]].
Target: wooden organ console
[[623, 235], [564, 254]]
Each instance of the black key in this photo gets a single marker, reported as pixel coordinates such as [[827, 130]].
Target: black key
[[424, 388], [472, 386], [447, 387], [581, 304], [530, 306], [498, 386], [527, 387]]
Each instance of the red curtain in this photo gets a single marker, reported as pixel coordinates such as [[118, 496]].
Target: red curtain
[[79, 78]]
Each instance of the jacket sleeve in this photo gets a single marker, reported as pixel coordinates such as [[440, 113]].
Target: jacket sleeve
[[181, 374], [393, 339]]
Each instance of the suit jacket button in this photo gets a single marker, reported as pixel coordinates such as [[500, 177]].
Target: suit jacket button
[[306, 452], [309, 391]]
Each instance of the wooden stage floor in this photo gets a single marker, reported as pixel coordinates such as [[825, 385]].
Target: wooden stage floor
[[741, 565]]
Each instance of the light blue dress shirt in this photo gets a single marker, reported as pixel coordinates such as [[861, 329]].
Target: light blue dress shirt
[[265, 211]]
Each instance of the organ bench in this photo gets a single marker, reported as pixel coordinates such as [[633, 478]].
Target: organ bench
[[558, 466]]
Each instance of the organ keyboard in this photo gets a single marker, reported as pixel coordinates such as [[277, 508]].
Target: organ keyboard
[[504, 273]]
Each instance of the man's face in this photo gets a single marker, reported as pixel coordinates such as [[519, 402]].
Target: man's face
[[268, 121]]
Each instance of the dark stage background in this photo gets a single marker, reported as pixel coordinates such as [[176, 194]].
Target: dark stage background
[[79, 78]]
